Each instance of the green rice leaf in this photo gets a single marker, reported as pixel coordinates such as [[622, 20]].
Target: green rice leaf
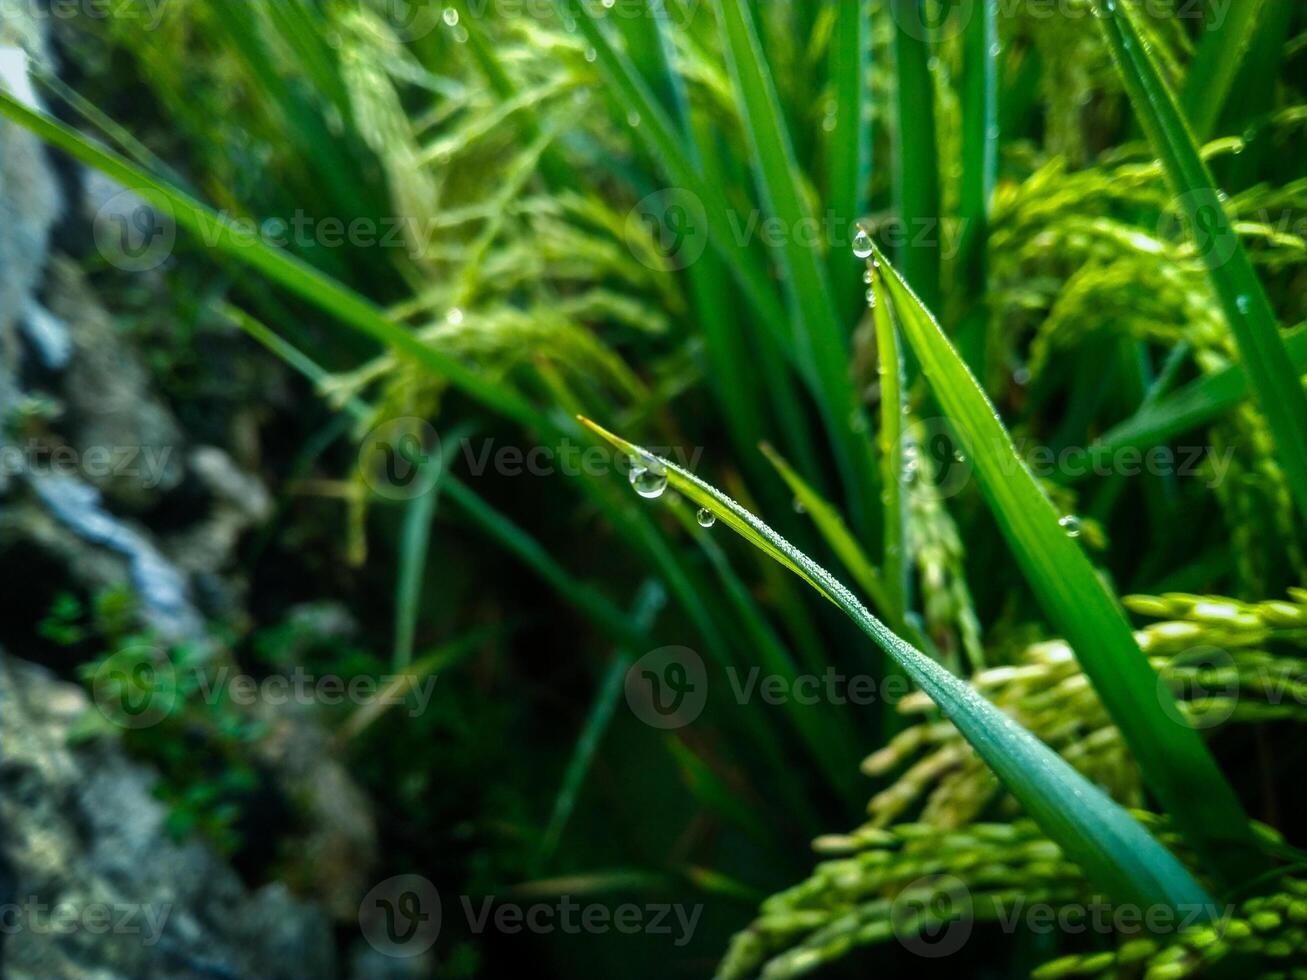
[[227, 237], [1198, 403], [1245, 304], [1112, 848], [821, 338], [1175, 762]]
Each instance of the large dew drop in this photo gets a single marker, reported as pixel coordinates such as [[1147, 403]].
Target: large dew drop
[[705, 517], [648, 476], [862, 245]]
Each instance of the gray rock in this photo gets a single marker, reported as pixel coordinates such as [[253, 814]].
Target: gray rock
[[93, 887], [113, 415], [163, 591]]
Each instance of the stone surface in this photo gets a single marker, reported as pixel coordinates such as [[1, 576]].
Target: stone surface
[[92, 887]]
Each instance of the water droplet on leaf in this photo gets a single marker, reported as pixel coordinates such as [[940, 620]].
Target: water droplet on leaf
[[705, 517], [648, 476], [862, 244], [1071, 525]]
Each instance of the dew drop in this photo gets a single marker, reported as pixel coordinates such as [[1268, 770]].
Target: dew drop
[[1244, 302], [648, 476], [798, 506], [862, 245], [1071, 525], [705, 517], [454, 317], [591, 54], [633, 119], [867, 277], [871, 298], [450, 16]]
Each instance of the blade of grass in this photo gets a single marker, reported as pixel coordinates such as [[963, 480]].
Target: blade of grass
[[583, 753], [606, 615], [893, 407], [830, 742], [394, 691], [228, 237], [647, 603], [242, 23], [849, 551], [712, 791], [738, 390], [849, 143], [1212, 71], [691, 589], [916, 176], [835, 532], [1196, 404], [691, 170], [1247, 309], [412, 563], [1112, 848], [664, 143], [821, 337], [1173, 758], [1257, 83], [603, 613], [980, 137]]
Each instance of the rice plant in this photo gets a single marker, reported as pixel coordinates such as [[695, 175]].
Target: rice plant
[[947, 473]]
